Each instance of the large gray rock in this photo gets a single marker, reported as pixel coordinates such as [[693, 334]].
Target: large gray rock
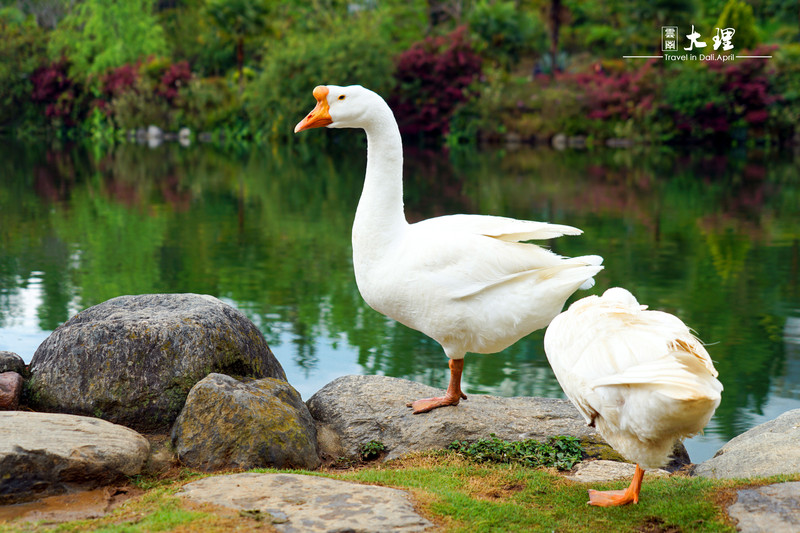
[[43, 453], [310, 504], [353, 410], [133, 359], [766, 450], [228, 424], [768, 509]]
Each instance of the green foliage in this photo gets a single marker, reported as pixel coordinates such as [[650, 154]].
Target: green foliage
[[100, 34], [559, 452], [738, 14], [692, 88], [281, 95], [371, 450], [507, 34], [22, 50], [237, 21], [208, 104]]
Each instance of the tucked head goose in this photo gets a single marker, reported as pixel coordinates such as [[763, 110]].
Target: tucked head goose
[[464, 280], [640, 377]]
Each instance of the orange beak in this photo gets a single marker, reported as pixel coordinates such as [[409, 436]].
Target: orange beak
[[320, 115]]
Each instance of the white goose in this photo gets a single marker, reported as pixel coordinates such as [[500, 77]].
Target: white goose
[[464, 280], [640, 377]]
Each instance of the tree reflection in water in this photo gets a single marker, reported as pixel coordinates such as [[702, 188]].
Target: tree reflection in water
[[711, 238]]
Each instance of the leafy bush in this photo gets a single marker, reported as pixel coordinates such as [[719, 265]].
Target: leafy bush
[[344, 54], [721, 98], [139, 94], [559, 452], [208, 104], [433, 77], [616, 95], [738, 15], [59, 95], [22, 50], [506, 33], [98, 35]]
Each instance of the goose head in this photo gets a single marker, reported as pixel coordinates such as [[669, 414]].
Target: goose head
[[341, 107]]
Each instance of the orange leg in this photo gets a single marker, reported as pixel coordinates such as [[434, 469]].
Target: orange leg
[[451, 397], [610, 498]]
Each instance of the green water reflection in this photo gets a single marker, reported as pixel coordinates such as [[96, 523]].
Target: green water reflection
[[710, 237]]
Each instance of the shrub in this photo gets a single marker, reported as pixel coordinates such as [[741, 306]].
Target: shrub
[[98, 35], [59, 96], [22, 50], [738, 15], [208, 104], [139, 94], [344, 54], [505, 33], [433, 77]]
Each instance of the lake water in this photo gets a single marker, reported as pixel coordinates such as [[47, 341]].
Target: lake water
[[710, 237]]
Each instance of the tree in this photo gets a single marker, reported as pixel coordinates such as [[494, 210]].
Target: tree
[[238, 20], [100, 34], [739, 15]]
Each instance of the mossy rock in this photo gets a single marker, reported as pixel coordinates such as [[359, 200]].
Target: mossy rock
[[132, 360], [228, 423]]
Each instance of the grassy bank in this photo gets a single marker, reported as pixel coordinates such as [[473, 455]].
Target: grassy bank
[[458, 495]]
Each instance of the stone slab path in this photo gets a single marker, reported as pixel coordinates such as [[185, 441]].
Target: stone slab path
[[311, 504]]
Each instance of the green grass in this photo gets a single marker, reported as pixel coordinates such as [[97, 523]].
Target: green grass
[[490, 497], [459, 495]]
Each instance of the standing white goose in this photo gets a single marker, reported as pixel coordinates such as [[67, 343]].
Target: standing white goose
[[640, 377], [464, 280]]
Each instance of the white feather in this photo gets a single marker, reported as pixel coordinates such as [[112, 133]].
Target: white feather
[[640, 376]]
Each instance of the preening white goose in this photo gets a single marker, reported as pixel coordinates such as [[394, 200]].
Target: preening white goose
[[464, 280], [640, 377]]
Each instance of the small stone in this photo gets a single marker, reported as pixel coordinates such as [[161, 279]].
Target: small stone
[[601, 471], [10, 390], [311, 504]]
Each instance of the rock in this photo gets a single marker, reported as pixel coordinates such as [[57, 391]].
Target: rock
[[133, 359], [232, 424], [579, 141], [765, 450], [559, 141], [43, 453], [310, 504], [10, 390], [601, 471], [353, 410], [769, 509], [11, 362], [154, 132]]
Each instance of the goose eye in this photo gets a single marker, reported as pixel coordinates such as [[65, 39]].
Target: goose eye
[[341, 97]]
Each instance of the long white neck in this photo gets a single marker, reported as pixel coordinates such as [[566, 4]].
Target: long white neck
[[379, 216]]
